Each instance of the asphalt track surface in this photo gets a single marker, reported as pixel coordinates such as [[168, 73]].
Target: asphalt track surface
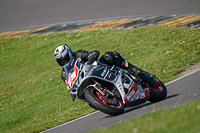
[[17, 14], [181, 90]]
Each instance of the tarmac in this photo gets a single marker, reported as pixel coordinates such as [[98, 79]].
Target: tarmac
[[191, 20]]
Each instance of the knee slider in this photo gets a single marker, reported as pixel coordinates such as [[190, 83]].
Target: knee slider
[[118, 58], [115, 53], [107, 55], [106, 58]]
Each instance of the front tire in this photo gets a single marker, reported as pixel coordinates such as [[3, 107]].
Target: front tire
[[99, 102]]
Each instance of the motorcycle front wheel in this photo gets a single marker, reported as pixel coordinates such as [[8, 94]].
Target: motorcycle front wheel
[[108, 105]]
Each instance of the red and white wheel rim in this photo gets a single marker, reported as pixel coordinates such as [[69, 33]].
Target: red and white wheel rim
[[158, 86], [101, 98]]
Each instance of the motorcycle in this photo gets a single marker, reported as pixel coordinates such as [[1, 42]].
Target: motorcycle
[[109, 88]]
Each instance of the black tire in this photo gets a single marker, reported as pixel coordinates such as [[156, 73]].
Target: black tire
[[156, 94], [99, 105]]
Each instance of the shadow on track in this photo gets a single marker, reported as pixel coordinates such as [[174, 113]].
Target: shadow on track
[[147, 104], [129, 109]]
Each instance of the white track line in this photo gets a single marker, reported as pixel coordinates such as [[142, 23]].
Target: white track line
[[70, 121], [99, 111], [181, 77]]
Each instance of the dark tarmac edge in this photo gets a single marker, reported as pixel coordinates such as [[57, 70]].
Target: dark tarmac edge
[[191, 20]]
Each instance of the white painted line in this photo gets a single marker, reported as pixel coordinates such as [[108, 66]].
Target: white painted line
[[99, 111], [181, 77], [70, 121]]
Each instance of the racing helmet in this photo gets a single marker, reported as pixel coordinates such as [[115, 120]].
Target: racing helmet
[[63, 54]]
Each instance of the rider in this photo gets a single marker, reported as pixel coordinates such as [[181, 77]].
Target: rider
[[63, 54]]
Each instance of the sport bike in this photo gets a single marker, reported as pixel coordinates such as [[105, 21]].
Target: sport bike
[[109, 88]]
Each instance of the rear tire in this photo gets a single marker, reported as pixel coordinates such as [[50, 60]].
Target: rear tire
[[157, 92], [93, 98]]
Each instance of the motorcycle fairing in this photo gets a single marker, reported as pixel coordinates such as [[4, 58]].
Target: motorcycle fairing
[[72, 73], [103, 73], [136, 95], [81, 74], [133, 90], [133, 93]]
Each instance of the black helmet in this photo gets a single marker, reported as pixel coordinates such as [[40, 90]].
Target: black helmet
[[63, 54]]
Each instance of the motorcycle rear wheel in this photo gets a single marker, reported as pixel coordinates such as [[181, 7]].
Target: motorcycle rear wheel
[[96, 100], [157, 91]]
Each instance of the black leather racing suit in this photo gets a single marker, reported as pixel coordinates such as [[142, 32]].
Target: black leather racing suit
[[109, 58], [86, 57]]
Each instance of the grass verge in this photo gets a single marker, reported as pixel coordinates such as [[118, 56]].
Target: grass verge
[[181, 119], [32, 95]]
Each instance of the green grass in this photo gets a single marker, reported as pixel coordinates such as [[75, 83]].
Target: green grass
[[32, 94], [181, 119]]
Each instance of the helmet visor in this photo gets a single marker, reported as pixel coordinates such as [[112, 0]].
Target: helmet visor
[[63, 61]]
